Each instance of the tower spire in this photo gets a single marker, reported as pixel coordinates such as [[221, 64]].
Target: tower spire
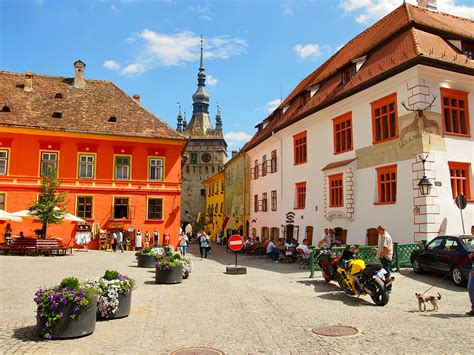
[[179, 127], [201, 66], [218, 119], [201, 97]]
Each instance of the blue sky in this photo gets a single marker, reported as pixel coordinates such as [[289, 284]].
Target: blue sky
[[255, 51]]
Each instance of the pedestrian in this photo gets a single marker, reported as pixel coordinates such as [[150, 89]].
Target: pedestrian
[[120, 240], [156, 237], [326, 240], [138, 240], [8, 234], [147, 239], [114, 241], [183, 243], [203, 244], [273, 251], [470, 285], [385, 251]]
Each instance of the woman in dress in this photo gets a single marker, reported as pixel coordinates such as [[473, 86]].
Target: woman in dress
[[138, 240]]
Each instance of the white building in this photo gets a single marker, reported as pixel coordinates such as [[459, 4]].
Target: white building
[[349, 139]]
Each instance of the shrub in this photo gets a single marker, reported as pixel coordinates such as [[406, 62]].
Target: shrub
[[70, 283]]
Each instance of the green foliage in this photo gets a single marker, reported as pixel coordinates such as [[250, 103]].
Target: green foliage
[[49, 198], [111, 275], [71, 283]]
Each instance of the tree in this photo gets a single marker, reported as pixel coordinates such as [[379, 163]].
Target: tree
[[50, 207]]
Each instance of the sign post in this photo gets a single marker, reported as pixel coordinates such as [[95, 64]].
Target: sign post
[[461, 202], [236, 243]]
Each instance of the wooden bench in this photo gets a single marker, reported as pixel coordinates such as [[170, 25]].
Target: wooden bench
[[51, 246], [23, 246], [33, 246]]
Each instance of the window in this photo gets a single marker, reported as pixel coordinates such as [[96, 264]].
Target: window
[[212, 189], [300, 195], [300, 154], [155, 209], [274, 162], [264, 202], [384, 119], [221, 207], [335, 191], [274, 233], [255, 203], [468, 49], [222, 186], [86, 166], [435, 244], [122, 167], [121, 207], [255, 170], [49, 164], [264, 233], [194, 158], [155, 169], [84, 207], [348, 74], [460, 182], [455, 112], [274, 200], [387, 184], [216, 208], [342, 127], [187, 169], [203, 192], [264, 165], [2, 201], [3, 162]]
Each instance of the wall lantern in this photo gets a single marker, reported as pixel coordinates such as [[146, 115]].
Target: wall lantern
[[424, 184]]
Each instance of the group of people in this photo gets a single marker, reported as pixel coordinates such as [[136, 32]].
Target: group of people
[[286, 250], [118, 242]]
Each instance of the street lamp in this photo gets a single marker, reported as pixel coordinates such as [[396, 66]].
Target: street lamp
[[424, 184]]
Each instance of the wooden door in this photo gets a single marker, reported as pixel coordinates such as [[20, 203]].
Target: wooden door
[[372, 236], [309, 235], [289, 231]]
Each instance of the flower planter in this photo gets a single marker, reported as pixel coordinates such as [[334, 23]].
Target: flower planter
[[66, 327], [174, 276], [146, 260], [125, 301]]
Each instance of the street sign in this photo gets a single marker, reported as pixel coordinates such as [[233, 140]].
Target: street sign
[[461, 202], [236, 242]]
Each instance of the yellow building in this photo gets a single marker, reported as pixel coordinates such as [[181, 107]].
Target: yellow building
[[214, 205]]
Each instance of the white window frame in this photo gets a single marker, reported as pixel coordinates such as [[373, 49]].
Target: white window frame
[[156, 168], [48, 162], [122, 168], [89, 163], [3, 161]]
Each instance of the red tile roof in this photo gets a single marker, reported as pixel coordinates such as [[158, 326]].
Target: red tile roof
[[82, 110], [407, 36]]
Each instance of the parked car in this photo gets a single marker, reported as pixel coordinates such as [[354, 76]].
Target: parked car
[[445, 254]]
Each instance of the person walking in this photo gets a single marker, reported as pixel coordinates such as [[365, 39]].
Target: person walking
[[120, 240], [203, 245], [147, 239], [8, 234], [385, 251], [138, 240], [156, 237], [183, 243], [470, 285], [114, 241]]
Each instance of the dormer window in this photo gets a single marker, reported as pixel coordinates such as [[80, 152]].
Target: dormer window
[[6, 108], [468, 49], [57, 115], [348, 74], [58, 96], [112, 119]]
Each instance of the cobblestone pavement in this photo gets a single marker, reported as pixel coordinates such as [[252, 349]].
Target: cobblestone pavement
[[272, 309]]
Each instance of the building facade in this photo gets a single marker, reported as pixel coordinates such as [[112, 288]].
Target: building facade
[[119, 164], [350, 139], [214, 205], [204, 156], [237, 195]]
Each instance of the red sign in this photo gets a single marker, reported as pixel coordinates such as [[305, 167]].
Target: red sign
[[236, 242]]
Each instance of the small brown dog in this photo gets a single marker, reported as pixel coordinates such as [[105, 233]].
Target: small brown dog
[[423, 299]]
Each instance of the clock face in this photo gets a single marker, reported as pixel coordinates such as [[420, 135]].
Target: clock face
[[206, 157]]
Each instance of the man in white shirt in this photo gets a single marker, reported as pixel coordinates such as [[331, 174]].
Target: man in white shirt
[[304, 247], [326, 240], [385, 251]]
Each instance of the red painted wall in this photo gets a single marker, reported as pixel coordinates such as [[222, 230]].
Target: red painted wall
[[21, 183]]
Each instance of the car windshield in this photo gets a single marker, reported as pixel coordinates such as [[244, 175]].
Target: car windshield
[[469, 243]]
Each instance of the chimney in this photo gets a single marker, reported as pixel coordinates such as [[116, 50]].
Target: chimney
[[136, 97], [427, 4], [234, 153], [79, 81], [29, 82]]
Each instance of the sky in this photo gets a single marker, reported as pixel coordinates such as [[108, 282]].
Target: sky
[[255, 51]]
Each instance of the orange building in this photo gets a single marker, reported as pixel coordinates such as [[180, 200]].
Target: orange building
[[119, 164]]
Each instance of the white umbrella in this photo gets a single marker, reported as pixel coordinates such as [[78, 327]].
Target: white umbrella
[[67, 216], [5, 216]]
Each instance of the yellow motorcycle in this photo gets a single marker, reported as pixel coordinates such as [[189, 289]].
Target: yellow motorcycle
[[357, 278]]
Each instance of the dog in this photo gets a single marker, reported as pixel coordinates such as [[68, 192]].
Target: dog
[[430, 298]]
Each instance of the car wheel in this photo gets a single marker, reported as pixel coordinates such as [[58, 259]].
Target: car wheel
[[416, 266], [458, 277]]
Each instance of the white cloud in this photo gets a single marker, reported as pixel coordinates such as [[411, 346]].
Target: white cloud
[[369, 11], [111, 65], [40, 2], [237, 137], [287, 9], [114, 8], [210, 80], [160, 49], [272, 105], [202, 10], [307, 51]]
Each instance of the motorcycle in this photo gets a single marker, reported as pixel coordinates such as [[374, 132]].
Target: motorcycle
[[357, 278], [327, 261]]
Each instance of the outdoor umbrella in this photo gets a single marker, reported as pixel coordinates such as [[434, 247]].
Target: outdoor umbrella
[[67, 216], [5, 216]]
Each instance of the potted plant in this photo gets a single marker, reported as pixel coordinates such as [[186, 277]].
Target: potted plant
[[169, 267], [147, 256], [114, 294], [66, 311]]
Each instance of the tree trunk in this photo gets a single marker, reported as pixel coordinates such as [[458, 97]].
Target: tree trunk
[[43, 230]]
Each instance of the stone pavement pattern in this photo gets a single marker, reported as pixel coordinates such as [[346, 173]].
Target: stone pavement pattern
[[272, 309]]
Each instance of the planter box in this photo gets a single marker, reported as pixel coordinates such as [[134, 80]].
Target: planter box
[[83, 324], [125, 301], [174, 276], [146, 261]]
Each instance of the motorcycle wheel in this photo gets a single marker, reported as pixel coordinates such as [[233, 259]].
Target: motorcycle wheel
[[326, 276], [346, 288], [381, 295]]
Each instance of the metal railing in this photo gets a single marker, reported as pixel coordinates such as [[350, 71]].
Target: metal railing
[[402, 254]]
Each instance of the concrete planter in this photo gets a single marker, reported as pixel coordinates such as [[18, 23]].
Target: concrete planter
[[146, 261], [125, 302], [174, 276], [66, 327]]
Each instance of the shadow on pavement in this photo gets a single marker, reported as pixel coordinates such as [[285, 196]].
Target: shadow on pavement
[[320, 285], [432, 279], [27, 334], [449, 315], [341, 296]]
